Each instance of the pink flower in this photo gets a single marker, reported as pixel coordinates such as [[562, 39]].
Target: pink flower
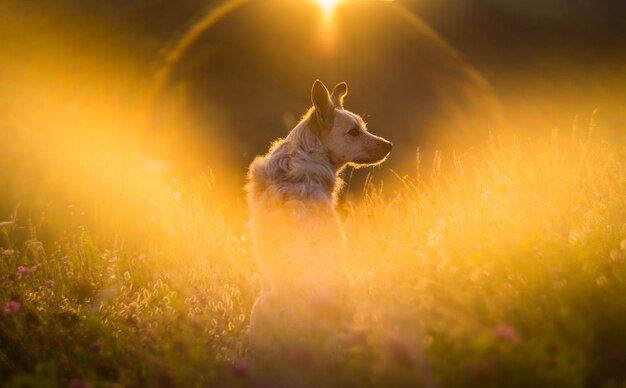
[[11, 307], [78, 383], [23, 272], [96, 347], [506, 333], [113, 260], [49, 283], [239, 369], [8, 252]]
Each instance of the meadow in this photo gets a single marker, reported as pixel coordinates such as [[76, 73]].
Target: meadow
[[500, 266]]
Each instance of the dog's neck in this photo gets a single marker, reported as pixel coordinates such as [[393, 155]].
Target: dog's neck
[[298, 168], [317, 126], [308, 171]]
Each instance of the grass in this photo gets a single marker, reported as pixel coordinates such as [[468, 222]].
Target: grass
[[506, 268]]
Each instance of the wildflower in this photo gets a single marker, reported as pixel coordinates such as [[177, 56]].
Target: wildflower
[[8, 252], [114, 260], [23, 272], [78, 383], [506, 333], [11, 307], [96, 347], [69, 274], [239, 369], [616, 255], [50, 283]]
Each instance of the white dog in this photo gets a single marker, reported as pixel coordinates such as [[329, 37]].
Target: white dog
[[297, 236]]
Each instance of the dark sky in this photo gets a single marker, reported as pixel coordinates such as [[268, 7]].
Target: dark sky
[[566, 56], [524, 66]]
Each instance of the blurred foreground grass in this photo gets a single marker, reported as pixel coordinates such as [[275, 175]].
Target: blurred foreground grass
[[507, 269]]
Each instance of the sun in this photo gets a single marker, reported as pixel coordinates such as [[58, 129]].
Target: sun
[[328, 5]]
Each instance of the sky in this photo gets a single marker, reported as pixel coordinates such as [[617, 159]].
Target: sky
[[82, 99]]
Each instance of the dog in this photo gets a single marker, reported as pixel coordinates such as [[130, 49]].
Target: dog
[[297, 236]]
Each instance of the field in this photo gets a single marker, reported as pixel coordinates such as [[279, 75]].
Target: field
[[500, 266]]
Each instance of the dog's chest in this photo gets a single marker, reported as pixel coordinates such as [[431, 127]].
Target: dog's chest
[[298, 233]]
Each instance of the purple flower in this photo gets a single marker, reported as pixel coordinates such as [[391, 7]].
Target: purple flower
[[96, 347], [506, 333], [23, 272], [11, 307], [239, 369]]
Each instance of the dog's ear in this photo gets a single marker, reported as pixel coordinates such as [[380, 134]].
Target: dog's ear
[[321, 100], [339, 92]]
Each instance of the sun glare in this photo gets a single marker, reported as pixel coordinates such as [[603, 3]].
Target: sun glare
[[327, 30], [328, 6]]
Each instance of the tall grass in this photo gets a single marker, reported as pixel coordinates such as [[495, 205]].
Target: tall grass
[[501, 267]]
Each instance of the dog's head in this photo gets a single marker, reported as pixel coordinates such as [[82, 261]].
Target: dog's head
[[343, 133]]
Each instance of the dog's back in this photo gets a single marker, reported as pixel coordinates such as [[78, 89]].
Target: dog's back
[[297, 236], [298, 243]]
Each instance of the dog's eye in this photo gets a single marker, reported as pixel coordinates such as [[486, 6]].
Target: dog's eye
[[355, 131]]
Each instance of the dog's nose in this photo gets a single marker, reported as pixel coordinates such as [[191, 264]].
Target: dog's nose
[[388, 146]]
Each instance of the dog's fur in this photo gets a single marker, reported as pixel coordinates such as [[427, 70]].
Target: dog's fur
[[297, 236]]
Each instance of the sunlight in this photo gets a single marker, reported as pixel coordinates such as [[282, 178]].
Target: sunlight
[[165, 219], [328, 6], [327, 28]]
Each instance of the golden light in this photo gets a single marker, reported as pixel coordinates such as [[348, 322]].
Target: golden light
[[327, 30], [328, 6]]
